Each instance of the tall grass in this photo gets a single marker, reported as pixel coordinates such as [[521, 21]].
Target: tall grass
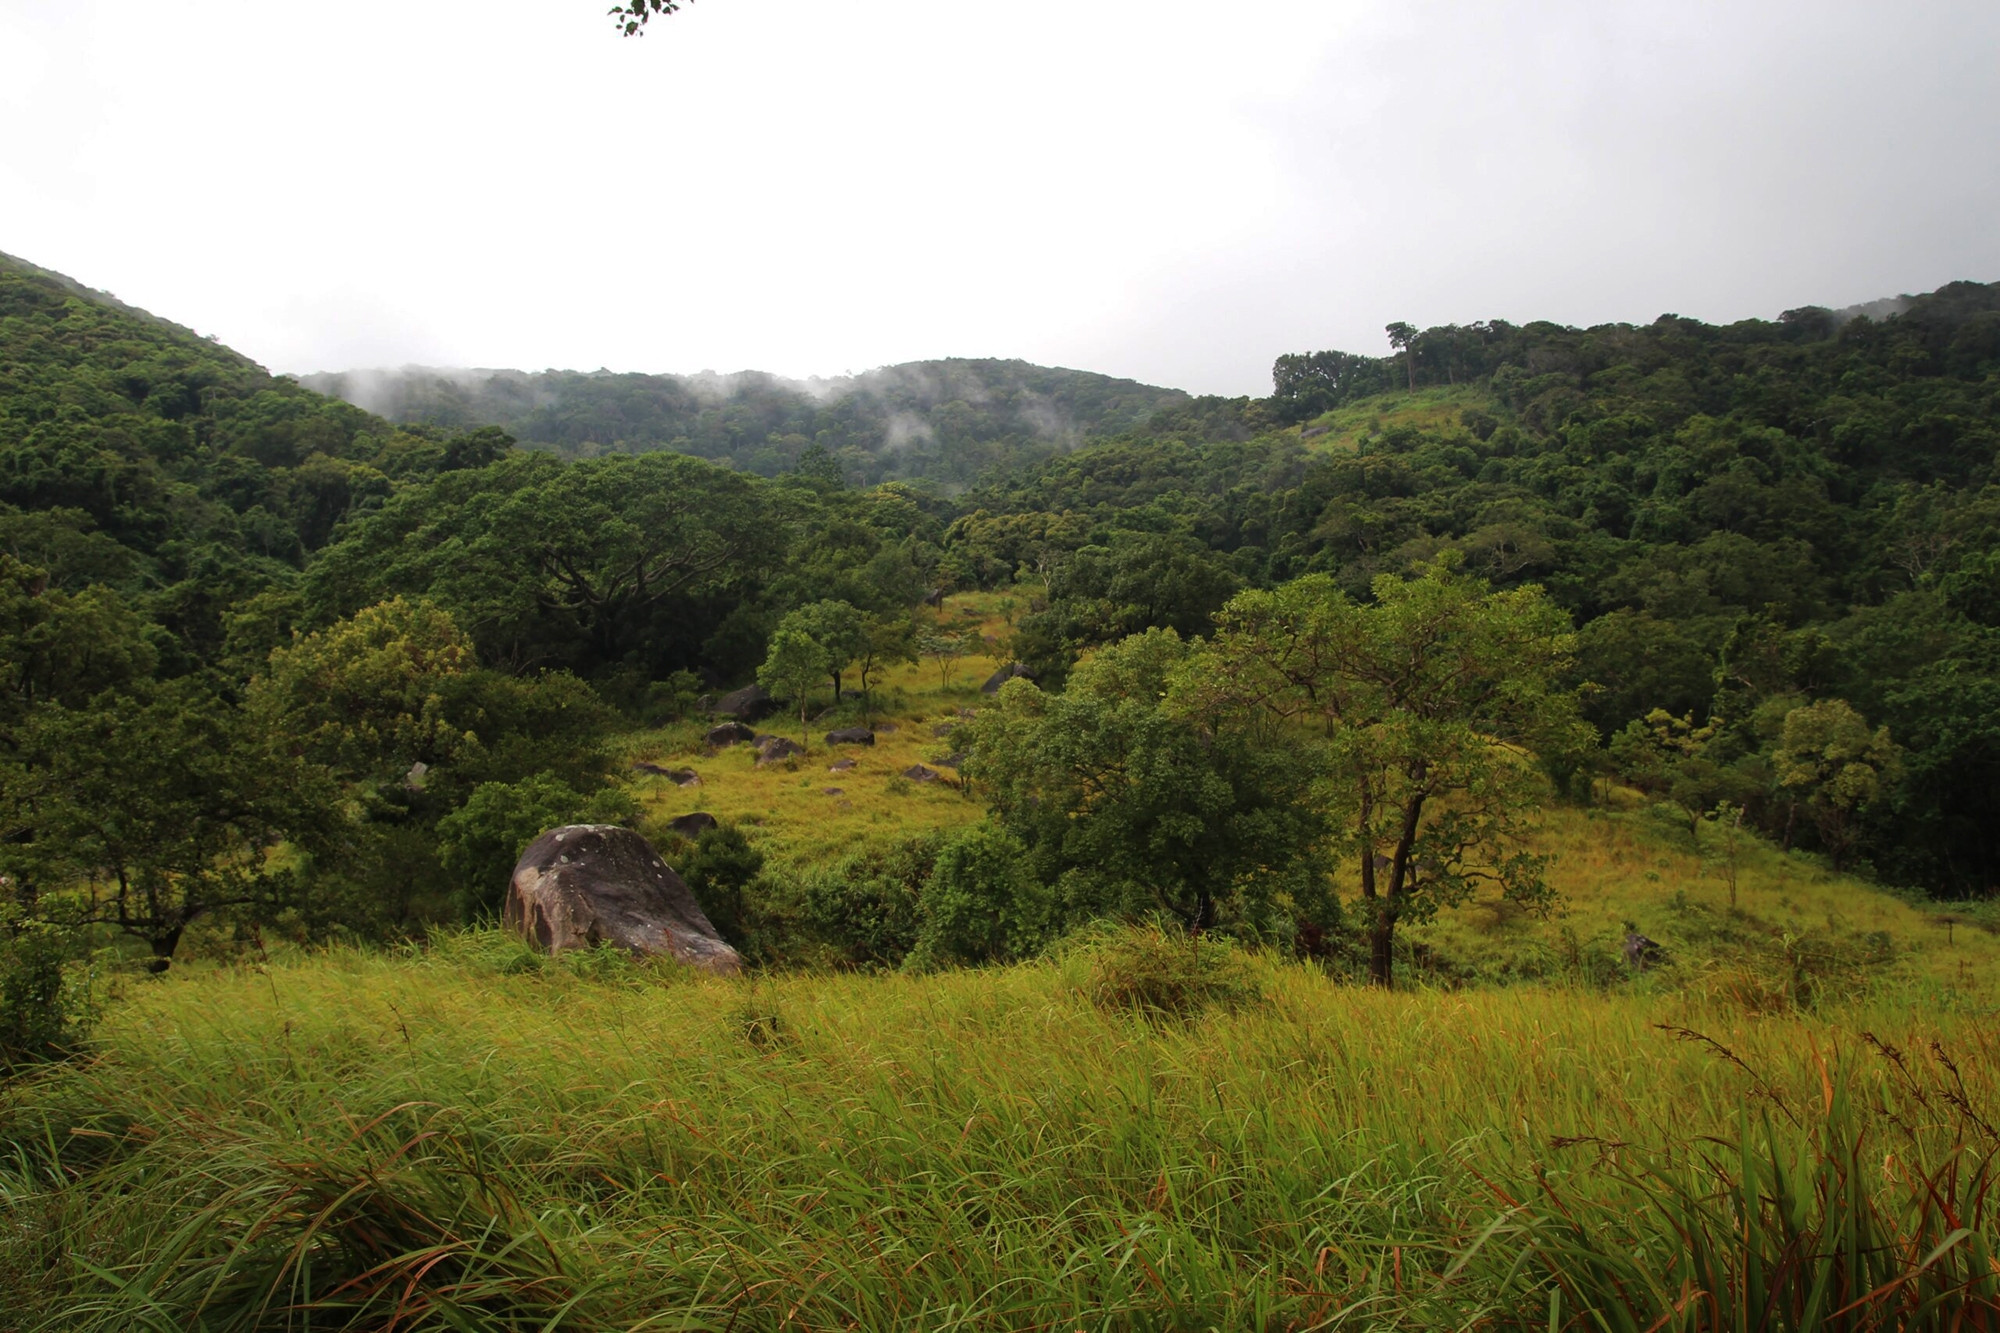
[[470, 1138]]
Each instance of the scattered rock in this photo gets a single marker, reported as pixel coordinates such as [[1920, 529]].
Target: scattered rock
[[694, 825], [833, 791], [591, 884], [680, 777], [850, 736], [747, 704], [952, 760], [729, 733], [1003, 675], [944, 728], [1311, 431], [918, 773], [776, 749], [840, 766]]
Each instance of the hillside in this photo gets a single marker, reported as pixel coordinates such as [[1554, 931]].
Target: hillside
[[952, 421]]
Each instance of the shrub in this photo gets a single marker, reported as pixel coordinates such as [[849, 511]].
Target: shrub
[[479, 843], [721, 867], [1163, 973], [980, 903], [46, 1005], [869, 907]]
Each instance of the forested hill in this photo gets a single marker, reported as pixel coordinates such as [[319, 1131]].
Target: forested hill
[[1742, 521], [1777, 539], [952, 420]]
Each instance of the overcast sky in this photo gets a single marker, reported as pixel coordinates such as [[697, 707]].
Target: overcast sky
[[1171, 191]]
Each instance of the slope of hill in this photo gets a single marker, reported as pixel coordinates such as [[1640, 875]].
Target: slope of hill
[[952, 420]]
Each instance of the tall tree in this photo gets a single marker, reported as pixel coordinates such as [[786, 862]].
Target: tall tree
[[793, 664], [1419, 703]]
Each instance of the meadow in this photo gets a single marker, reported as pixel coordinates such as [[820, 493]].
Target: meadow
[[466, 1136]]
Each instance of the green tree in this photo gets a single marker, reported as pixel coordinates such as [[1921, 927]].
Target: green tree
[[1418, 704], [885, 641], [944, 649], [836, 627], [170, 807], [1689, 765], [1831, 760], [1403, 338], [795, 661], [1130, 807]]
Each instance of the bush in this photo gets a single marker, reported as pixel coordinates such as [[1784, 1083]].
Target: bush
[[869, 908], [721, 867], [46, 1005], [980, 903], [1162, 973], [480, 842]]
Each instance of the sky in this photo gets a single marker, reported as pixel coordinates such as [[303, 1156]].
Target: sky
[[1166, 190]]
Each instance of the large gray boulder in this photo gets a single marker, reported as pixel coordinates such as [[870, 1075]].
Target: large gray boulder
[[589, 884], [1003, 675], [749, 704]]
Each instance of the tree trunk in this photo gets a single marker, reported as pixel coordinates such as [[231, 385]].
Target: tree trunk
[[163, 947], [1381, 948]]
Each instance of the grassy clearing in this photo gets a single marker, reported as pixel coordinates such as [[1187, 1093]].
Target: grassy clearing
[[1343, 429], [788, 810], [471, 1138], [1794, 924]]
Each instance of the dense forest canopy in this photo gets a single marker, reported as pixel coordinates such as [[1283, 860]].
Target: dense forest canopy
[[952, 421], [1776, 545]]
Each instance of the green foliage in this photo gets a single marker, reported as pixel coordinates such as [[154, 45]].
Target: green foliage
[[794, 663], [1134, 808], [1697, 768], [480, 842], [869, 907], [1413, 702], [46, 1005], [980, 904], [719, 872], [1828, 758]]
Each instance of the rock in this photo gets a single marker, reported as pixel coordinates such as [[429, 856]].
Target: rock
[[729, 733], [591, 884], [953, 760], [1641, 952], [1311, 431], [1003, 675], [776, 749], [694, 825], [918, 773], [748, 704], [944, 728], [850, 736], [885, 728], [680, 777], [832, 791], [840, 766], [934, 597]]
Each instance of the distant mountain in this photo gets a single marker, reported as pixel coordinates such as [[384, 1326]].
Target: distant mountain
[[953, 420]]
